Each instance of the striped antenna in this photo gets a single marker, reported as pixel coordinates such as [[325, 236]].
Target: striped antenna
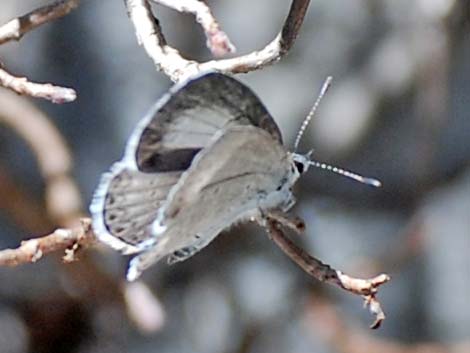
[[346, 173], [309, 117]]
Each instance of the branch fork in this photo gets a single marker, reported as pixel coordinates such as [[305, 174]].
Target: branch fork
[[169, 60]]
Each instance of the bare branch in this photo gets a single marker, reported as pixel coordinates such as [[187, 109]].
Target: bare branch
[[367, 288], [61, 239], [149, 35], [16, 28], [290, 29], [217, 41], [168, 59], [21, 85]]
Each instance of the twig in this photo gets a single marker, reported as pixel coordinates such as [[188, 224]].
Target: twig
[[14, 30], [217, 41], [34, 249], [367, 288], [17, 27], [150, 36], [21, 85], [168, 59]]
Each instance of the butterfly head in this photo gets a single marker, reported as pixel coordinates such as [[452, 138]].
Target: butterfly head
[[300, 163]]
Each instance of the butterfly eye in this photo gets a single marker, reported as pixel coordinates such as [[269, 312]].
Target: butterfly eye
[[300, 167]]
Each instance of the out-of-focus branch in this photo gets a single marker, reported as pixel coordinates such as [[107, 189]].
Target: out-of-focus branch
[[168, 59], [217, 41], [143, 307], [21, 85], [17, 27], [367, 288], [63, 199], [61, 239]]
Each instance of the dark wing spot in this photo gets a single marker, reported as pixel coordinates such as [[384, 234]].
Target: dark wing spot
[[168, 161]]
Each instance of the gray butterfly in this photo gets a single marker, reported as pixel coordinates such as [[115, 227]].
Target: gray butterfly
[[208, 155]]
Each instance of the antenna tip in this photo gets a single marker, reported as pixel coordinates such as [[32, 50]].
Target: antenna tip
[[373, 182]]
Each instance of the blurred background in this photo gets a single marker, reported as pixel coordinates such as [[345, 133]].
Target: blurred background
[[398, 110]]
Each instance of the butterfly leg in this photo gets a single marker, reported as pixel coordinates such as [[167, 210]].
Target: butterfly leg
[[292, 222]]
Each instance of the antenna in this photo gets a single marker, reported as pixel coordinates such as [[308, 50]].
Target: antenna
[[346, 173], [309, 117]]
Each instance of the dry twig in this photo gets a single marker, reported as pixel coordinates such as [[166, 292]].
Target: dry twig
[[367, 288], [14, 30], [21, 85], [34, 249], [17, 27], [168, 59]]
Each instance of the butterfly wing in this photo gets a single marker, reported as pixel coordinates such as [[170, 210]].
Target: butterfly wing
[[126, 203], [187, 117], [240, 174], [162, 147]]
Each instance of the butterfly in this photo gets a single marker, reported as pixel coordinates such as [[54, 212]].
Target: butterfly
[[207, 156]]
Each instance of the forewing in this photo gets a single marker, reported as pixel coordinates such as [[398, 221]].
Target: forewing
[[184, 121]]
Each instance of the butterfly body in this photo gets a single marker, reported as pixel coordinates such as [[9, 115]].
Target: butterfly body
[[207, 156]]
